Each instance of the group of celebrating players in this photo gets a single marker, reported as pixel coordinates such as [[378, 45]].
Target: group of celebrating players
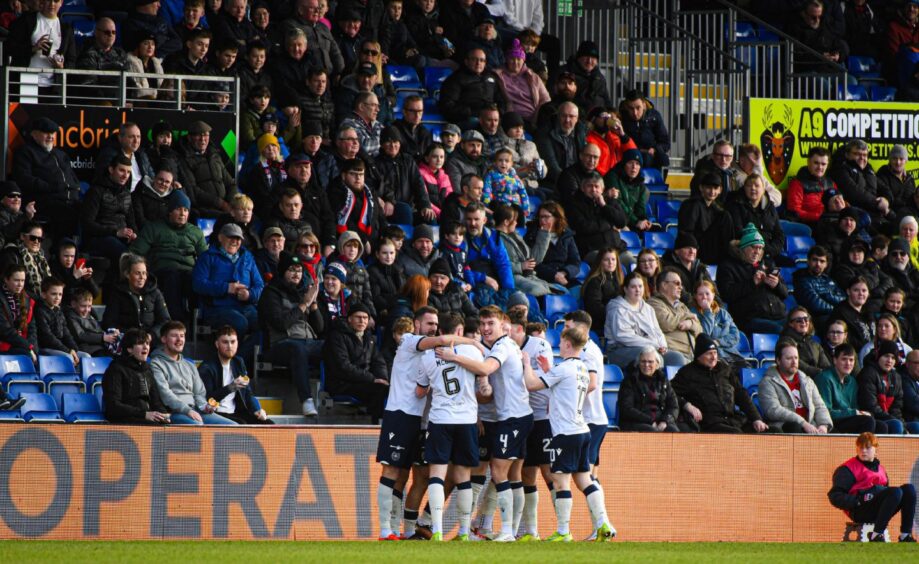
[[460, 405]]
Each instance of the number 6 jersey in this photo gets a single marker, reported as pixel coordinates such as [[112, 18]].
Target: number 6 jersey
[[452, 388]]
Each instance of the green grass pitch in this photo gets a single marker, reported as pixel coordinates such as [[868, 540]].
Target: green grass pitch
[[227, 552]]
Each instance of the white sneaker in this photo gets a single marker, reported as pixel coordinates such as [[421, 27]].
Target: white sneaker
[[309, 408], [504, 537]]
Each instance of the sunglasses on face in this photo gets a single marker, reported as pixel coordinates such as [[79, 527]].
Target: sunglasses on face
[[36, 238]]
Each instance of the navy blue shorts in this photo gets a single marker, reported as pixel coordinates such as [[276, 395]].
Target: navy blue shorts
[[509, 441], [597, 434], [419, 452], [571, 453], [400, 439], [456, 443], [485, 441], [538, 440]]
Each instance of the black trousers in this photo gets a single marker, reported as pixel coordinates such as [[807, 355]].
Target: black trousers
[[857, 424], [885, 505]]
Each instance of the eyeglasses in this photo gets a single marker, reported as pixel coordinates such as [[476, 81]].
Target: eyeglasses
[[804, 319], [412, 110], [307, 246], [897, 254], [14, 196], [476, 59], [36, 238]]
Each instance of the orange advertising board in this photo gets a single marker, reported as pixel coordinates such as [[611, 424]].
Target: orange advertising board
[[319, 483]]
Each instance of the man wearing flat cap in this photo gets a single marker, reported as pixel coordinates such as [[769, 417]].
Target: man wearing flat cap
[[208, 182], [44, 172], [467, 159]]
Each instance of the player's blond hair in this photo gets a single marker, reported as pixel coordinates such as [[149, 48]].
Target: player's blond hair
[[576, 336]]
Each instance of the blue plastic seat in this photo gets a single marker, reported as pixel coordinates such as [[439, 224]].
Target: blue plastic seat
[[668, 212], [434, 78], [612, 377], [535, 202], [554, 336], [53, 365], [631, 240], [408, 229], [18, 375], [654, 180], [583, 272], [864, 67], [671, 371], [40, 407], [339, 399], [744, 348], [658, 240], [795, 229], [206, 225], [611, 405], [58, 385], [404, 77], [745, 32], [764, 346], [752, 377], [712, 271], [83, 29], [883, 93], [81, 408], [558, 306], [797, 246], [92, 369], [855, 93]]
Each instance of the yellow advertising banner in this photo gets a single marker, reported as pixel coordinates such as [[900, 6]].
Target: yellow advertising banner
[[785, 130], [111, 482]]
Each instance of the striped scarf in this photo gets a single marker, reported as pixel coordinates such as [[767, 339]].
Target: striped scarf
[[365, 221]]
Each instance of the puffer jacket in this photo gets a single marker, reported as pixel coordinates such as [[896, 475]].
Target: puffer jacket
[[208, 182], [551, 257], [169, 246], [644, 400], [214, 271], [819, 294], [385, 283], [592, 90], [87, 332], [352, 360], [778, 404], [805, 196], [150, 205], [845, 270], [745, 299], [107, 208], [880, 394], [53, 332], [124, 309], [320, 109], [10, 224], [649, 132], [404, 180], [611, 146], [45, 176], [464, 93], [453, 300], [860, 187], [437, 184], [717, 393]]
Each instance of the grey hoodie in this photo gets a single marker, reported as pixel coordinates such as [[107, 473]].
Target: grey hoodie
[[181, 389]]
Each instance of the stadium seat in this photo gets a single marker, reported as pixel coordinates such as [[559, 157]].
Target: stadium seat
[[554, 336], [408, 229], [83, 29], [744, 32], [854, 93], [97, 391], [654, 180], [883, 93], [611, 404], [595, 338], [404, 77], [58, 385], [81, 408], [206, 226], [764, 346], [53, 365], [583, 272], [92, 369], [400, 102], [435, 129], [18, 375], [864, 67], [671, 371], [712, 271], [339, 399], [535, 202], [751, 377], [39, 407], [743, 347], [795, 229], [631, 240], [797, 246], [612, 377], [10, 415], [658, 240], [434, 78], [790, 302], [558, 306], [667, 212], [786, 273]]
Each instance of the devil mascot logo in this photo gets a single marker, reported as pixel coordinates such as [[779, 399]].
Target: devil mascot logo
[[778, 144]]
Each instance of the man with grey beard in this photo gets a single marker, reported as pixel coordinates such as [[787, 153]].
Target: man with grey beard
[[44, 173], [898, 267]]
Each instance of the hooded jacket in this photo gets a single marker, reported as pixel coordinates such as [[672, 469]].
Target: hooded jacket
[[350, 359], [453, 300], [207, 180], [169, 246], [150, 205], [627, 326], [879, 393], [778, 404], [710, 225], [279, 313], [819, 294], [745, 299]]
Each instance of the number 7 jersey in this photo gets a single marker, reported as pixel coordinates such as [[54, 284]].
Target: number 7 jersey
[[452, 387]]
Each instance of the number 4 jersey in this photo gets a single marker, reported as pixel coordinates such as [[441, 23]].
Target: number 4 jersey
[[452, 387]]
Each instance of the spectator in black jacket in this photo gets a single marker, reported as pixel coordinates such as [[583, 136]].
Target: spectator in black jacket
[[44, 172], [880, 388], [12, 213], [129, 391], [900, 269], [598, 220], [108, 219], [853, 261], [226, 381], [316, 212], [354, 364], [469, 89], [894, 179], [144, 20], [54, 336], [753, 206], [592, 90], [386, 278], [750, 284], [719, 163], [86, 327], [404, 183], [151, 203], [101, 54], [855, 177], [647, 402], [604, 283], [289, 69], [74, 270], [253, 71], [208, 183], [853, 312], [447, 296], [646, 127], [135, 301], [569, 179], [416, 138], [459, 18], [356, 207], [232, 24], [811, 29], [126, 143], [703, 216], [682, 259], [561, 140], [317, 111]]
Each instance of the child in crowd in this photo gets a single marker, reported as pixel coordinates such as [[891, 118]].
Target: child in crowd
[[453, 249], [222, 59], [54, 336], [502, 185], [350, 250], [400, 327], [191, 18], [530, 168], [435, 177], [395, 234], [529, 40], [253, 71], [879, 244], [450, 137], [386, 279], [88, 333], [333, 295]]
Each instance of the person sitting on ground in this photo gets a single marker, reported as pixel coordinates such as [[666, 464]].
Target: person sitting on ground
[[711, 395], [789, 399], [839, 390], [129, 390], [862, 489]]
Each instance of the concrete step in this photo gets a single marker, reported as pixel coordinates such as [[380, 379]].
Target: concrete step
[[645, 60]]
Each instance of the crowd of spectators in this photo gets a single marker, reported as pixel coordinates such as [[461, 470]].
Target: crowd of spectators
[[344, 219]]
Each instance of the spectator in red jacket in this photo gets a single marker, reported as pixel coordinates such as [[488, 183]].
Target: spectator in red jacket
[[902, 30], [606, 132], [805, 191]]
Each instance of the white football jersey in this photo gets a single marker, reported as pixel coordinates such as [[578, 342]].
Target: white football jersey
[[539, 400], [594, 412], [452, 387], [511, 396], [567, 383], [402, 381], [488, 412]]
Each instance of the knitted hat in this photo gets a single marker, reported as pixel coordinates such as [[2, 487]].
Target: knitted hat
[[177, 200], [423, 232], [517, 299], [390, 133], [311, 127], [887, 347], [711, 179], [337, 270], [440, 266], [750, 236], [849, 213], [9, 187], [160, 127], [286, 261], [588, 49], [632, 155], [898, 244], [898, 152], [357, 307], [684, 240], [265, 140], [511, 120], [516, 51], [827, 194], [704, 343]]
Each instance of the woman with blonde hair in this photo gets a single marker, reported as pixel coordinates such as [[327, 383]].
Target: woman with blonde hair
[[241, 208], [716, 322]]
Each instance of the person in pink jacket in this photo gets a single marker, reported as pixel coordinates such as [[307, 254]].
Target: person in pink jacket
[[525, 90], [435, 178]]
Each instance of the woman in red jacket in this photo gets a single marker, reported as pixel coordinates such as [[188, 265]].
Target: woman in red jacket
[[804, 201], [861, 489]]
